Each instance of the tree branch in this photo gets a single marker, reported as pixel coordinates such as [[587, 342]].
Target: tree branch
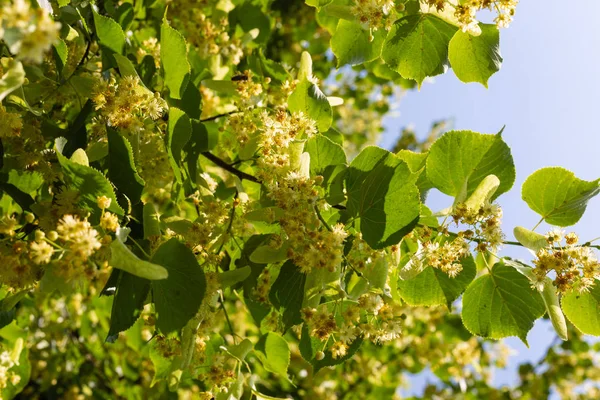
[[240, 174], [218, 116]]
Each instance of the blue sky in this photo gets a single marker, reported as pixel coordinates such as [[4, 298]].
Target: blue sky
[[547, 93]]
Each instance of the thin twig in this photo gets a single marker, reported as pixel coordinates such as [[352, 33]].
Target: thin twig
[[218, 116], [240, 174]]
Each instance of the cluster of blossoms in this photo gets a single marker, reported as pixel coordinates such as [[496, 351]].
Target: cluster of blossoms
[[209, 35], [465, 12], [7, 361], [311, 246], [375, 14], [149, 47], [447, 257], [371, 318], [72, 248], [484, 222], [24, 145], [576, 267], [127, 103], [213, 218], [28, 32]]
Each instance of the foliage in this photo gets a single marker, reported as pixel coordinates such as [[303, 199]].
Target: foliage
[[193, 205]]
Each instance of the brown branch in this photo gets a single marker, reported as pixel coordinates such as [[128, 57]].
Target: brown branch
[[240, 174], [218, 116]]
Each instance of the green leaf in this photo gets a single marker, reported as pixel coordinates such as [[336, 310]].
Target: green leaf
[[462, 159], [125, 65], [80, 157], [550, 297], [287, 293], [308, 98], [111, 38], [583, 309], [323, 153], [382, 192], [501, 304], [249, 16], [558, 195], [417, 46], [12, 79], [179, 133], [151, 221], [178, 297], [317, 3], [123, 259], [433, 287], [230, 278], [476, 58], [61, 53], [173, 55], [532, 240], [352, 44], [130, 295], [90, 184], [266, 254], [121, 167], [274, 353]]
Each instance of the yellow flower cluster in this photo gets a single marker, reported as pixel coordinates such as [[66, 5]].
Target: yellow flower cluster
[[11, 123], [374, 14], [209, 35], [446, 257], [7, 377], [311, 246], [28, 32], [485, 223], [24, 144], [371, 318], [576, 267], [465, 12], [279, 143], [149, 47], [127, 103]]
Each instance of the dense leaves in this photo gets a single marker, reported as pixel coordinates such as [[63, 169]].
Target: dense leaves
[[193, 205]]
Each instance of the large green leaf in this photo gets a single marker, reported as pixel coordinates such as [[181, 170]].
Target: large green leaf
[[583, 309], [501, 304], [179, 133], [111, 38], [558, 195], [121, 167], [308, 98], [90, 184], [287, 293], [476, 58], [173, 55], [352, 44], [463, 159], [122, 258], [12, 79], [417, 46], [131, 292], [274, 353], [177, 298], [382, 192], [434, 287], [323, 153]]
